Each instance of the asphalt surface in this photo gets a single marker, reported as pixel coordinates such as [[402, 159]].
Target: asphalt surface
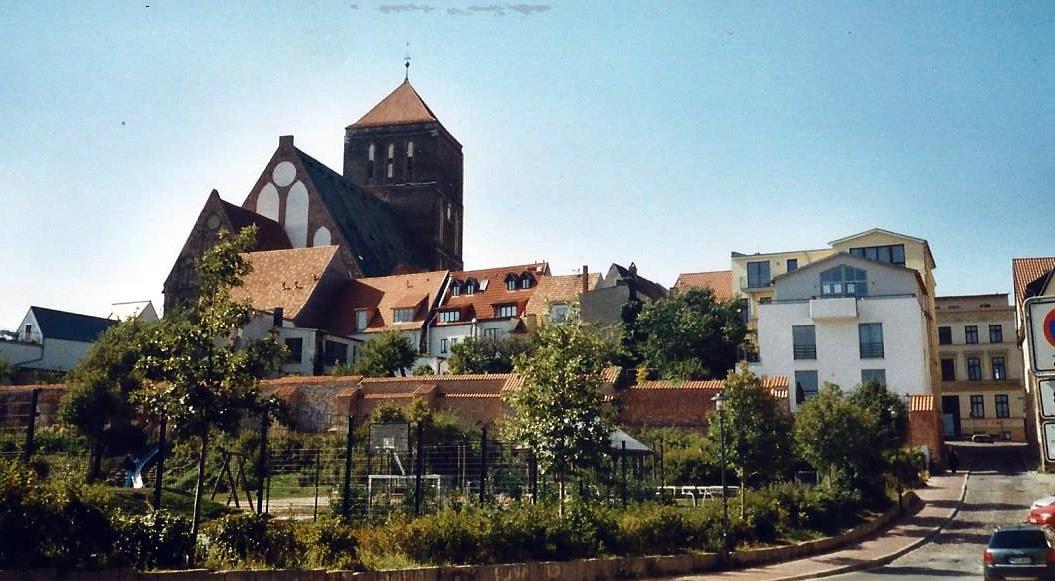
[[1000, 490]]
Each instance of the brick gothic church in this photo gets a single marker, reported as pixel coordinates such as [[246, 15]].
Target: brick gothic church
[[397, 208]]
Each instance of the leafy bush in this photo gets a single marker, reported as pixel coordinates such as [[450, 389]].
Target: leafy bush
[[251, 540], [329, 543], [155, 540]]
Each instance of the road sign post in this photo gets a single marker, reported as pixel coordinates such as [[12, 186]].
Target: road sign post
[[1040, 328]]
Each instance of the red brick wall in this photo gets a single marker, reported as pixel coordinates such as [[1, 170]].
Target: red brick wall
[[924, 428]]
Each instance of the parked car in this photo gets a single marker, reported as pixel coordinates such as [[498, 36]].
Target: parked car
[[982, 438], [1019, 551], [1043, 501], [1042, 515]]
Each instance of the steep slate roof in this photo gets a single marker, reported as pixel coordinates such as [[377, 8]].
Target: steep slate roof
[[720, 281], [382, 294], [402, 106], [365, 221], [480, 304], [1030, 275], [284, 278], [558, 289], [56, 324], [269, 235]]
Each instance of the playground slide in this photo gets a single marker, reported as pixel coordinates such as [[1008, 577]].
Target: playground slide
[[134, 477]]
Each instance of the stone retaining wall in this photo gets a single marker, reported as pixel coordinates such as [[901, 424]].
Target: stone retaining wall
[[599, 569]]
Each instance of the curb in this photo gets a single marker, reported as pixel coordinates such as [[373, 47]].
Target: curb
[[893, 556]]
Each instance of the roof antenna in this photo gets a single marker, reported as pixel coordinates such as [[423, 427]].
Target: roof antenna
[[406, 64]]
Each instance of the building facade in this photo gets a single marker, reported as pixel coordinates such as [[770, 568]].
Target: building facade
[[1035, 277], [981, 368]]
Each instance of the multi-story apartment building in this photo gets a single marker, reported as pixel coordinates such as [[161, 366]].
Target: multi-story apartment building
[[753, 274], [1035, 277], [981, 368]]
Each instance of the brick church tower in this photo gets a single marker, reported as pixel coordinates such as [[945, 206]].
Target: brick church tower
[[401, 153]]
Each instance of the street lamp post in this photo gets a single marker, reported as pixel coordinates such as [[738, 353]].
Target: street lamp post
[[719, 404]]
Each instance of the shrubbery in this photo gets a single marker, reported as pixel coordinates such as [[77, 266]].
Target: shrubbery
[[155, 540]]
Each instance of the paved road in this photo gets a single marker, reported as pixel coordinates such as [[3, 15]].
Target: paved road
[[999, 492]]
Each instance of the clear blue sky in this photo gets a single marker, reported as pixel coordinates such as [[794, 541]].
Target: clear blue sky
[[669, 134]]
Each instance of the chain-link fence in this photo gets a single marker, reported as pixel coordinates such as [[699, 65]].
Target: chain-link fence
[[363, 470]]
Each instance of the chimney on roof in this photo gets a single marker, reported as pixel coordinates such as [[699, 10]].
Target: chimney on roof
[[276, 320], [585, 278], [285, 140]]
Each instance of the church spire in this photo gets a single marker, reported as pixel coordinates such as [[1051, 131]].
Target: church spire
[[406, 64]]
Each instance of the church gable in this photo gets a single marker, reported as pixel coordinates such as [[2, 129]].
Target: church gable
[[318, 207]]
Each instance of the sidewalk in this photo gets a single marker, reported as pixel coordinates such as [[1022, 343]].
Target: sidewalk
[[943, 496]]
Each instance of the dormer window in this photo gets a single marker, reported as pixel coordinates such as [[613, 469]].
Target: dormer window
[[505, 311], [844, 281], [403, 315], [452, 316], [362, 319], [471, 286], [456, 289], [410, 160], [525, 281], [511, 282]]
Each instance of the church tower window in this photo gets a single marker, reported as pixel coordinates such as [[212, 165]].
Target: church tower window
[[391, 161], [410, 160], [370, 151]]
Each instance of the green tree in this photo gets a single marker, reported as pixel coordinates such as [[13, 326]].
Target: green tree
[[690, 335], [385, 354], [757, 430], [203, 376], [475, 355], [101, 385], [888, 413], [835, 435], [557, 412]]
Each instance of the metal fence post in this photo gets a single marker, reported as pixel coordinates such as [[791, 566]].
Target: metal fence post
[[261, 466], [346, 499], [662, 473], [31, 423], [318, 472], [622, 466], [159, 474], [419, 467], [483, 464]]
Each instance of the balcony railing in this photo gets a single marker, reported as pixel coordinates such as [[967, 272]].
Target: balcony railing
[[805, 351], [747, 283], [871, 350]]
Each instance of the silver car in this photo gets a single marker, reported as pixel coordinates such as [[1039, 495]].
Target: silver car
[[1018, 551]]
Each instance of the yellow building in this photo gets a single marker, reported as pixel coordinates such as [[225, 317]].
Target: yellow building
[[981, 368], [752, 274]]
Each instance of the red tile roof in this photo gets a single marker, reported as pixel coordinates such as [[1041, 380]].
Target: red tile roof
[[492, 292], [381, 295], [1028, 274], [284, 278], [558, 289], [401, 107], [720, 281], [777, 385]]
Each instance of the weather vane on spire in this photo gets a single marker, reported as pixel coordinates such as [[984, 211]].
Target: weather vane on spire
[[406, 64]]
